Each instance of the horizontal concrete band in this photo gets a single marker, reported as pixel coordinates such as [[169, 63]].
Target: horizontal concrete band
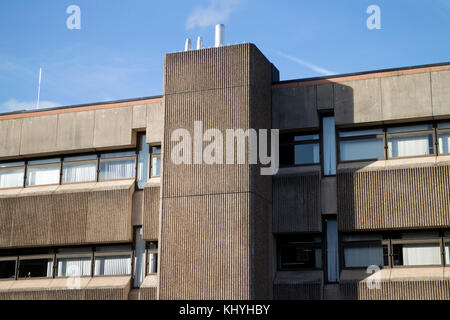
[[402, 198], [66, 215], [85, 288]]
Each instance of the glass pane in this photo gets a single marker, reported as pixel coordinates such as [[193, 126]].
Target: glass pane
[[44, 161], [152, 262], [300, 257], [43, 175], [74, 267], [116, 248], [444, 143], [11, 178], [447, 253], [410, 128], [444, 125], [363, 256], [143, 156], [81, 158], [409, 146], [35, 268], [139, 259], [12, 164], [417, 254], [156, 166], [356, 133], [306, 154], [120, 169], [156, 150], [329, 146], [112, 265], [80, 172], [7, 269], [361, 149], [361, 237], [117, 155], [307, 137]]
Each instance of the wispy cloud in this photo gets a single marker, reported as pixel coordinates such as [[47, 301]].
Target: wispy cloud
[[218, 11], [306, 64], [15, 105]]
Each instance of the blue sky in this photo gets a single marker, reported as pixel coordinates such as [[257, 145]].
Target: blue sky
[[118, 52]]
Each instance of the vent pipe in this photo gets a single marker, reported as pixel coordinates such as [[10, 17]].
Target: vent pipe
[[199, 43], [220, 35], [187, 45]]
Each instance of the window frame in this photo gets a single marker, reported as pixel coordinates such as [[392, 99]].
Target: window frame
[[308, 244], [97, 169], [293, 143], [16, 266], [48, 256], [439, 131], [129, 253], [72, 255], [155, 155], [148, 251], [15, 168]]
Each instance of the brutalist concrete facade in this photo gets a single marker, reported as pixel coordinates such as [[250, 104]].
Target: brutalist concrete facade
[[217, 225]]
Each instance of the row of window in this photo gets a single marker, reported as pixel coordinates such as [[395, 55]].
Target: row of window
[[366, 144], [87, 168], [363, 250]]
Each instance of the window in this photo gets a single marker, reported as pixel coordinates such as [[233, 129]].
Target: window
[[143, 155], [80, 169], [444, 137], [364, 250], [410, 141], [43, 172], [115, 166], [417, 250], [361, 144], [299, 252], [329, 146], [12, 174], [139, 257], [156, 161], [114, 260], [152, 254], [8, 268], [296, 149], [75, 262], [36, 267]]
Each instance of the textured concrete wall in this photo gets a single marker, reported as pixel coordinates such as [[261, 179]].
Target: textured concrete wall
[[397, 198], [296, 202], [155, 122], [151, 213], [208, 237], [66, 215]]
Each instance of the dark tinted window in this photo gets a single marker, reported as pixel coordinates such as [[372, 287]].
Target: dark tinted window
[[7, 269], [34, 268]]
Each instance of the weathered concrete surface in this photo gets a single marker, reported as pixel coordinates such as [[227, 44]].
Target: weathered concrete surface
[[75, 130], [440, 87], [39, 135], [10, 133], [406, 96], [139, 116], [294, 107], [357, 101], [328, 195], [325, 96], [155, 122], [113, 127]]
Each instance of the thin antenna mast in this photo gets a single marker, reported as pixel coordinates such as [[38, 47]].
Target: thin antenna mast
[[39, 88]]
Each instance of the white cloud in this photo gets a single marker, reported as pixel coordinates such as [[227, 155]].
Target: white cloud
[[307, 64], [218, 11], [15, 105]]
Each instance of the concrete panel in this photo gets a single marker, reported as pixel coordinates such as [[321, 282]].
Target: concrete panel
[[440, 88], [75, 130], [325, 98], [113, 127], [137, 208], [151, 205], [294, 108], [39, 135], [357, 101], [139, 116], [155, 123], [10, 133], [328, 195], [406, 96]]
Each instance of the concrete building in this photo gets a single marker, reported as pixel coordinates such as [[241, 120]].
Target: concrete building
[[93, 207]]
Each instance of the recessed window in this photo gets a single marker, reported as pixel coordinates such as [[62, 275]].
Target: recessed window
[[12, 174], [299, 149], [30, 267], [420, 249], [152, 252], [73, 262], [156, 161], [143, 161], [114, 260], [410, 141], [80, 169], [115, 166], [364, 250], [43, 172], [329, 146], [299, 252], [8, 269], [444, 137], [139, 257], [361, 145]]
